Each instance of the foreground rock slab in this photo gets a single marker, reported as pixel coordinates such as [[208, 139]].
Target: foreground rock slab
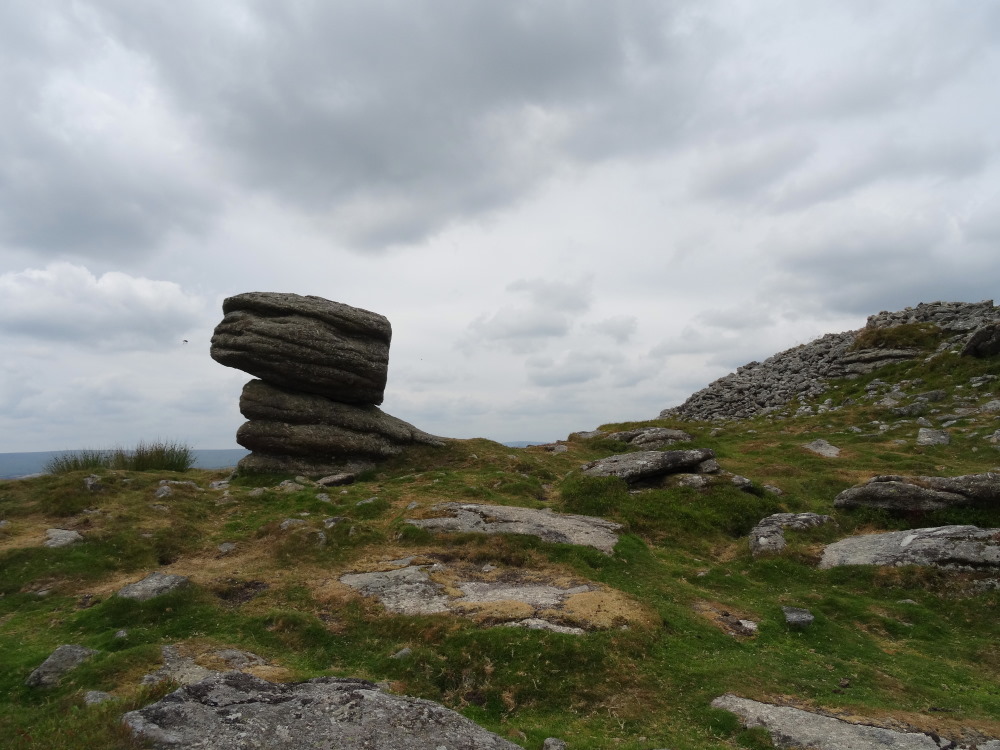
[[901, 493], [563, 528], [960, 547], [646, 465], [793, 727], [236, 711]]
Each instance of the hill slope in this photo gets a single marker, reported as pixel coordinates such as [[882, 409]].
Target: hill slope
[[631, 648]]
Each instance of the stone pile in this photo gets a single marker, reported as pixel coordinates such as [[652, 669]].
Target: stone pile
[[322, 369], [759, 388]]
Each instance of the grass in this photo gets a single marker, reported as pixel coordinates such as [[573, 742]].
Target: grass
[[154, 456], [886, 642]]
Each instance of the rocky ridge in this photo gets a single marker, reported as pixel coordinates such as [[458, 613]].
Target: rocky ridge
[[800, 374]]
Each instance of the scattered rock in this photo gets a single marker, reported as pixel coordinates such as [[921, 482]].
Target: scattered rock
[[155, 584], [291, 523], [222, 711], [646, 465], [984, 342], [822, 448], [336, 480], [402, 653], [94, 697], [225, 548], [553, 743], [651, 437], [962, 547], [905, 494], [163, 491], [535, 623], [62, 660], [793, 727], [927, 436], [562, 528], [329, 523], [798, 617], [61, 537], [93, 483], [768, 535]]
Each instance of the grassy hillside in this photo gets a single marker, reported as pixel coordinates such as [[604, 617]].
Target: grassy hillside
[[919, 646]]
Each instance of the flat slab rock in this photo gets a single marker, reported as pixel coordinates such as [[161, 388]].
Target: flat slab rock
[[645, 465], [236, 711], [155, 584], [960, 547], [793, 727], [497, 596], [902, 493], [564, 528]]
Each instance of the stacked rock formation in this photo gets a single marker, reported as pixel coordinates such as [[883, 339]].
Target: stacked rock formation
[[322, 367], [801, 373]]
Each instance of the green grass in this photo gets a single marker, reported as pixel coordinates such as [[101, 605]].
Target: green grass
[[154, 456], [901, 639]]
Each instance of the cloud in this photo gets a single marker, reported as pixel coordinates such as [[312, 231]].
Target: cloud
[[741, 171], [619, 328], [68, 305], [574, 368]]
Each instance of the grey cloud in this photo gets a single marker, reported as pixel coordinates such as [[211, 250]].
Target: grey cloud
[[427, 110], [619, 328], [89, 163], [575, 368], [67, 304], [736, 318], [555, 295], [743, 170]]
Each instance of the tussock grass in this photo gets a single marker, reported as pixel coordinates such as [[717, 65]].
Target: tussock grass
[[154, 456]]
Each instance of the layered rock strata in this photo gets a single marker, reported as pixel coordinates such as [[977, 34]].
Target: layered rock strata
[[759, 388], [322, 367]]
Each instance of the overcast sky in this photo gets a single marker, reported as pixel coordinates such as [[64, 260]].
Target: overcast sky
[[572, 212]]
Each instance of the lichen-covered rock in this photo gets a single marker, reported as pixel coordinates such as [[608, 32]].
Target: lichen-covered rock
[[59, 662], [564, 528], [961, 547], [793, 727], [306, 344], [769, 534], [236, 711], [650, 437], [155, 584], [905, 494], [300, 431], [646, 465]]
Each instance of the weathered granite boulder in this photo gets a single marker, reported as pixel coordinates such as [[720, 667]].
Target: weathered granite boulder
[[59, 662], [646, 465], [793, 727], [306, 344], [236, 711], [822, 448], [961, 547], [769, 534], [984, 342], [301, 431], [650, 437], [904, 494], [155, 584]]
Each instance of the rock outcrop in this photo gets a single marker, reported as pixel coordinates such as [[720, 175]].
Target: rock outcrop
[[801, 373], [906, 494], [64, 659], [322, 367], [238, 711], [957, 547], [769, 534]]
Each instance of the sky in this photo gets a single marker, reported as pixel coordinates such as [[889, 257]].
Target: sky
[[572, 212]]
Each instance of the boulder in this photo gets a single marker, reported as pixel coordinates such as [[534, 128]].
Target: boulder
[[563, 528], [927, 436], [793, 727], [822, 448], [236, 711], [155, 584], [651, 437], [61, 537], [798, 617], [307, 344], [984, 342], [769, 534], [904, 494], [59, 662], [960, 547], [646, 465], [286, 424]]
